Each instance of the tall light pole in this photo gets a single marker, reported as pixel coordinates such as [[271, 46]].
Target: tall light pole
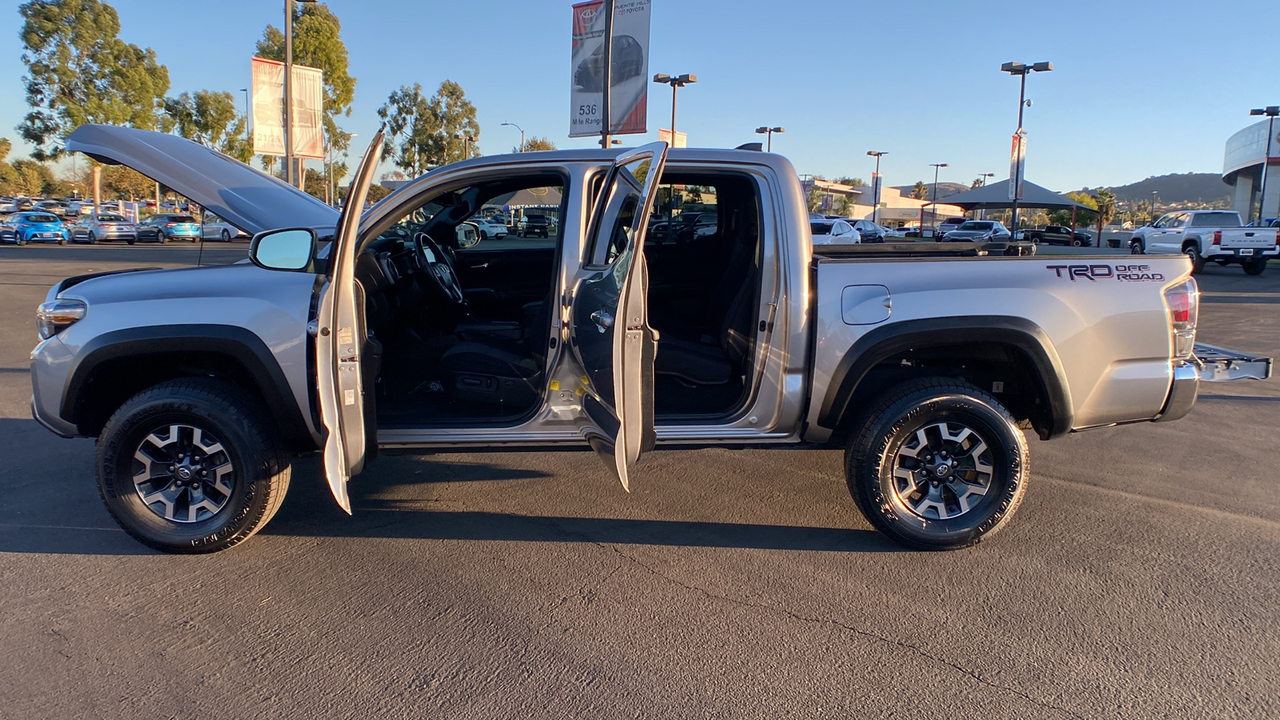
[[769, 131], [1015, 179], [466, 144], [676, 82], [875, 186], [521, 134], [1271, 111], [1154, 197], [934, 202], [248, 115]]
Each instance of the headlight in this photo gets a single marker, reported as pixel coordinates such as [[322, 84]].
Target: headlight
[[58, 315]]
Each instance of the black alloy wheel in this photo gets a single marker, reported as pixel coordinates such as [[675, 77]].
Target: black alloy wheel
[[938, 465]]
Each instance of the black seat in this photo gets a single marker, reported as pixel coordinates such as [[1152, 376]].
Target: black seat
[[718, 359], [500, 371]]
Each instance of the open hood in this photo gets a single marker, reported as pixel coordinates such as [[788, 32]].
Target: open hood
[[249, 199]]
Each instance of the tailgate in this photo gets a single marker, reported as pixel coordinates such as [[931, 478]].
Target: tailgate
[[1219, 364], [1245, 238]]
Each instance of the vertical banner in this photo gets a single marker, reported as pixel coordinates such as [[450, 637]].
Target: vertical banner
[[268, 109], [629, 91], [1017, 165]]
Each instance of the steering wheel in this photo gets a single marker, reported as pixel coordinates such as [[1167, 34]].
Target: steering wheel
[[436, 266]]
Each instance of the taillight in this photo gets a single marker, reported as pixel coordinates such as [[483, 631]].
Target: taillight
[[1217, 237], [1278, 237], [1183, 302]]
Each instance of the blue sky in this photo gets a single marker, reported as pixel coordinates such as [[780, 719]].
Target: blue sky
[[1139, 88]]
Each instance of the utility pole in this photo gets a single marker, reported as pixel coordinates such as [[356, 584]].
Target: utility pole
[[606, 121]]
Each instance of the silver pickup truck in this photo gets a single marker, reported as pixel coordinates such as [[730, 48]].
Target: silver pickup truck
[[347, 333]]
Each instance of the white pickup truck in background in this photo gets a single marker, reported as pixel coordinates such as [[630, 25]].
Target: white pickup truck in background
[[1208, 235]]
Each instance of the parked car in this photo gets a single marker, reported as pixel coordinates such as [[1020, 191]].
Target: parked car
[[91, 228], [1208, 235], [535, 226], [947, 226], [1058, 235], [8, 236], [164, 227], [979, 231], [489, 228], [869, 231], [213, 227], [833, 232], [42, 227], [627, 59], [202, 385]]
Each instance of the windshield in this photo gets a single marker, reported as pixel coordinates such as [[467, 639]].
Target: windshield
[[974, 225], [42, 219], [820, 228]]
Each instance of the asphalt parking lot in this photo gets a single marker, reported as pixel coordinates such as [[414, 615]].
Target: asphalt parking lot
[[1138, 580]]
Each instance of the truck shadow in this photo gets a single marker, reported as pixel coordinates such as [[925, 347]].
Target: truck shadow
[[310, 512]]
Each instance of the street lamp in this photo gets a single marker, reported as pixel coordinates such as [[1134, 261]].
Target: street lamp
[[289, 175], [333, 188], [984, 177], [676, 82], [875, 186], [466, 144], [247, 114], [934, 202], [1015, 179], [521, 133], [1270, 111], [1154, 197], [769, 131]]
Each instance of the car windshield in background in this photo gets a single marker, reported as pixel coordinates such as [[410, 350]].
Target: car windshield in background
[[975, 226], [820, 228], [111, 218], [1222, 219], [41, 218]]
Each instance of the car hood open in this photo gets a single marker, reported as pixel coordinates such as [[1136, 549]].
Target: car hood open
[[247, 198]]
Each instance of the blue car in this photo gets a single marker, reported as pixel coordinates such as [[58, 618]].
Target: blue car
[[33, 227]]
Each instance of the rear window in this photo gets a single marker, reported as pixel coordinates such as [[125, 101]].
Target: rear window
[[41, 218], [111, 218], [181, 219], [819, 228], [971, 225], [1215, 219]]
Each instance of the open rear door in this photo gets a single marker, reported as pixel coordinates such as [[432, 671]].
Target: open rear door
[[609, 318], [340, 338]]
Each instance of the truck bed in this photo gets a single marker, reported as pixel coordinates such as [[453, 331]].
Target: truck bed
[[922, 249]]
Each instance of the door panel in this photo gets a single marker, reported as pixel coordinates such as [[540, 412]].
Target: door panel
[[341, 344], [499, 282], [609, 323]]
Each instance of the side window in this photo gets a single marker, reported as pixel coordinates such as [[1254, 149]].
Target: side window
[[624, 202], [1179, 220], [684, 213]]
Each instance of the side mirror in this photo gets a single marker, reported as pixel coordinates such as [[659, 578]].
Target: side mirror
[[468, 235], [283, 249]]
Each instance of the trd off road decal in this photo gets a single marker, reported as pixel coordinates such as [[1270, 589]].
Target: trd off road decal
[[1094, 273]]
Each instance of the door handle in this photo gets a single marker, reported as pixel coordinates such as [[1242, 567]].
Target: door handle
[[602, 319]]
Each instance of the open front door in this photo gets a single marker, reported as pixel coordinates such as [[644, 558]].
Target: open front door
[[609, 318], [340, 339]]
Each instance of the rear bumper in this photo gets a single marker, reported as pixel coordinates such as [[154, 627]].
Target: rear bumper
[[1183, 392]]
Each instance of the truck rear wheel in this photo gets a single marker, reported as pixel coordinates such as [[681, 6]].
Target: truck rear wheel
[[1255, 267], [938, 465], [191, 466]]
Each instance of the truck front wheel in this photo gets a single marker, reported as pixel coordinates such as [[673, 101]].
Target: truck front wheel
[[938, 465], [191, 466], [1197, 262]]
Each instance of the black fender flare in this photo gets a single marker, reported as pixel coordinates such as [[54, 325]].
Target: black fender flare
[[237, 343], [884, 342]]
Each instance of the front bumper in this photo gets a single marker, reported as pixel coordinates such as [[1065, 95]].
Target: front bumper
[[50, 366]]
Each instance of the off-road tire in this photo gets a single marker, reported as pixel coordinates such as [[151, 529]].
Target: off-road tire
[[260, 467], [1192, 252], [878, 445], [1255, 267]]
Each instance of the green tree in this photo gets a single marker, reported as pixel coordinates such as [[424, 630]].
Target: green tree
[[210, 118], [317, 42], [535, 144], [844, 206], [1106, 203], [456, 115], [80, 71], [8, 180], [851, 180], [815, 198], [31, 177], [119, 181], [1083, 218], [919, 191], [411, 123], [977, 183]]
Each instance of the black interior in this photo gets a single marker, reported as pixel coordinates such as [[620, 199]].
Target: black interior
[[465, 332]]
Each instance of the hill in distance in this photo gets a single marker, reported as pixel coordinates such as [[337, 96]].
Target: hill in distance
[[1176, 189], [944, 189]]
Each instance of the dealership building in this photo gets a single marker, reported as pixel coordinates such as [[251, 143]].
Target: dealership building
[[1242, 164]]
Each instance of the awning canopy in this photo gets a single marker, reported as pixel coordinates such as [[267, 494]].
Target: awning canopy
[[996, 195]]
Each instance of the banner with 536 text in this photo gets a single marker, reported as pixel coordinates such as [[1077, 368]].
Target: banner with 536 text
[[629, 75]]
